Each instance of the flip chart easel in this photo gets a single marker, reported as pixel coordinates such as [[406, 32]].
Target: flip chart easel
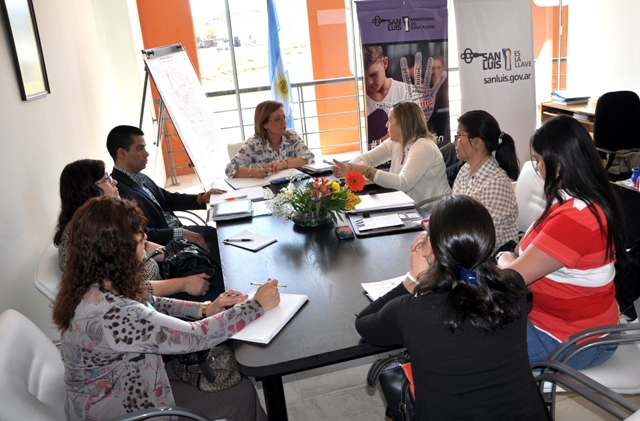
[[184, 100]]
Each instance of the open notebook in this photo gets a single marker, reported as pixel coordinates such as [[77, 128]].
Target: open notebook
[[266, 327]]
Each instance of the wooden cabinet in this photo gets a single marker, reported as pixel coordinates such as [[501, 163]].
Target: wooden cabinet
[[584, 113]]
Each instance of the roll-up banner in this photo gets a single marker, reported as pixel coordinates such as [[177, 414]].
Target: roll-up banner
[[495, 42], [404, 50]]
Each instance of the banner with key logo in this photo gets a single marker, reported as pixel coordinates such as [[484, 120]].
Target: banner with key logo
[[495, 43], [404, 50]]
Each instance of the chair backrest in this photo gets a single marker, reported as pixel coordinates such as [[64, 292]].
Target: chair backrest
[[529, 195], [31, 372], [615, 121], [48, 274], [233, 148]]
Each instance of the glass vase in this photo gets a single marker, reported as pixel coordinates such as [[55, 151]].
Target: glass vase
[[311, 219]]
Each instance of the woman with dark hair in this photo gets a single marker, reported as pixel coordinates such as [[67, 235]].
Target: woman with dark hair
[[462, 319], [114, 332], [487, 177], [416, 168], [567, 256], [80, 181], [272, 148]]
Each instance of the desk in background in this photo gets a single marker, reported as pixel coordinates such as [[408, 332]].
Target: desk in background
[[551, 109], [314, 262]]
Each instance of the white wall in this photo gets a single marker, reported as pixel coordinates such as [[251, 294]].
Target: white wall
[[603, 44], [91, 56]]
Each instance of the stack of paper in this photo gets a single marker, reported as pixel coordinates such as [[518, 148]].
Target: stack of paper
[[230, 210], [250, 241], [393, 200], [376, 290], [567, 97], [266, 327], [376, 222]]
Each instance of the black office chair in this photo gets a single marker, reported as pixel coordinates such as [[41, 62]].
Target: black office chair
[[615, 129]]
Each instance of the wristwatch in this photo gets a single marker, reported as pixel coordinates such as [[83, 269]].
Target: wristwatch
[[203, 308], [366, 172]]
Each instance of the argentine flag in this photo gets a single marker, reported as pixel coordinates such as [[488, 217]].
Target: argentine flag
[[278, 74]]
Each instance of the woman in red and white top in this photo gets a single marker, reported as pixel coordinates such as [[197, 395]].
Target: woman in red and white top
[[567, 255]]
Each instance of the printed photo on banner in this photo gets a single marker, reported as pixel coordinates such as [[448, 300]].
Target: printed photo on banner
[[406, 72], [404, 54]]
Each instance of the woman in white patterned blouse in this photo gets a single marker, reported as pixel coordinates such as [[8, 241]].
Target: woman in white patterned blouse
[[272, 148]]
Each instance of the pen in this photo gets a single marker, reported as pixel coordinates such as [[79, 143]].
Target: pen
[[262, 168], [327, 161], [259, 285], [228, 199], [238, 239]]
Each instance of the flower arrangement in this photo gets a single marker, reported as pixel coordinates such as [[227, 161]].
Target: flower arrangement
[[318, 197]]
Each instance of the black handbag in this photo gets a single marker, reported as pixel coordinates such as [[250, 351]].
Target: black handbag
[[395, 385], [209, 370], [183, 258]]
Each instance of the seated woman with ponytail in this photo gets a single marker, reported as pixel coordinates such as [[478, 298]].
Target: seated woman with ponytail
[[462, 319], [486, 177]]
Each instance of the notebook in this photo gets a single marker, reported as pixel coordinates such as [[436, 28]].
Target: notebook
[[267, 326], [392, 200], [250, 193], [230, 210], [256, 241]]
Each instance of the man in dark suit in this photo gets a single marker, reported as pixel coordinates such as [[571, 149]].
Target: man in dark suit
[[127, 147]]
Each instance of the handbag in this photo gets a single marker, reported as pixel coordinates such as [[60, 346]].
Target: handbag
[[624, 161], [396, 381], [183, 258], [209, 370]]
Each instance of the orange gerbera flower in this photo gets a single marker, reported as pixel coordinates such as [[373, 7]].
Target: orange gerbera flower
[[354, 180]]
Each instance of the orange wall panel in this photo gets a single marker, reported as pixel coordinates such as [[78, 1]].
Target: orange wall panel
[[165, 22], [330, 59]]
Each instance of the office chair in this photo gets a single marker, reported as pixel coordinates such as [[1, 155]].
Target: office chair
[[48, 274], [233, 148], [614, 129], [529, 195], [32, 376], [620, 373]]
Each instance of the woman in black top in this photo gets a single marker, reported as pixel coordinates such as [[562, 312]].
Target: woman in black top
[[462, 319]]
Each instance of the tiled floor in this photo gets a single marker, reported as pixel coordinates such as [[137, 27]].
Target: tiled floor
[[339, 392]]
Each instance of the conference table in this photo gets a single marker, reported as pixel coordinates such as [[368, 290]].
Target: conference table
[[310, 261]]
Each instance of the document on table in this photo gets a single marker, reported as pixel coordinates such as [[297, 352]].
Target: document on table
[[249, 240], [392, 200], [249, 193], [375, 222], [266, 327], [376, 290], [242, 183]]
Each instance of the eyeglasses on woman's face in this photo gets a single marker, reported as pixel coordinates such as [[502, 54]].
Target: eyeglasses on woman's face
[[280, 119], [106, 179], [458, 137]]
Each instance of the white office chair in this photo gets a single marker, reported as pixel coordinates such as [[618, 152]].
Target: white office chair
[[32, 376], [48, 274], [233, 148], [529, 195]]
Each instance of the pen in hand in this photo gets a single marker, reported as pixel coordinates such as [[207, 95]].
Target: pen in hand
[[263, 169], [259, 285]]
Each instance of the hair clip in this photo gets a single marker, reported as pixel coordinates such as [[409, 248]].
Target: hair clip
[[470, 277]]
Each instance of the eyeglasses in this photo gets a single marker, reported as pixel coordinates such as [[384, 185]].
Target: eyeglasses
[[106, 180], [280, 119], [458, 137]]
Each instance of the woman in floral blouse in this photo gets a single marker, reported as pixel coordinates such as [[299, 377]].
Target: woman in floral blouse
[[272, 148], [114, 332]]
